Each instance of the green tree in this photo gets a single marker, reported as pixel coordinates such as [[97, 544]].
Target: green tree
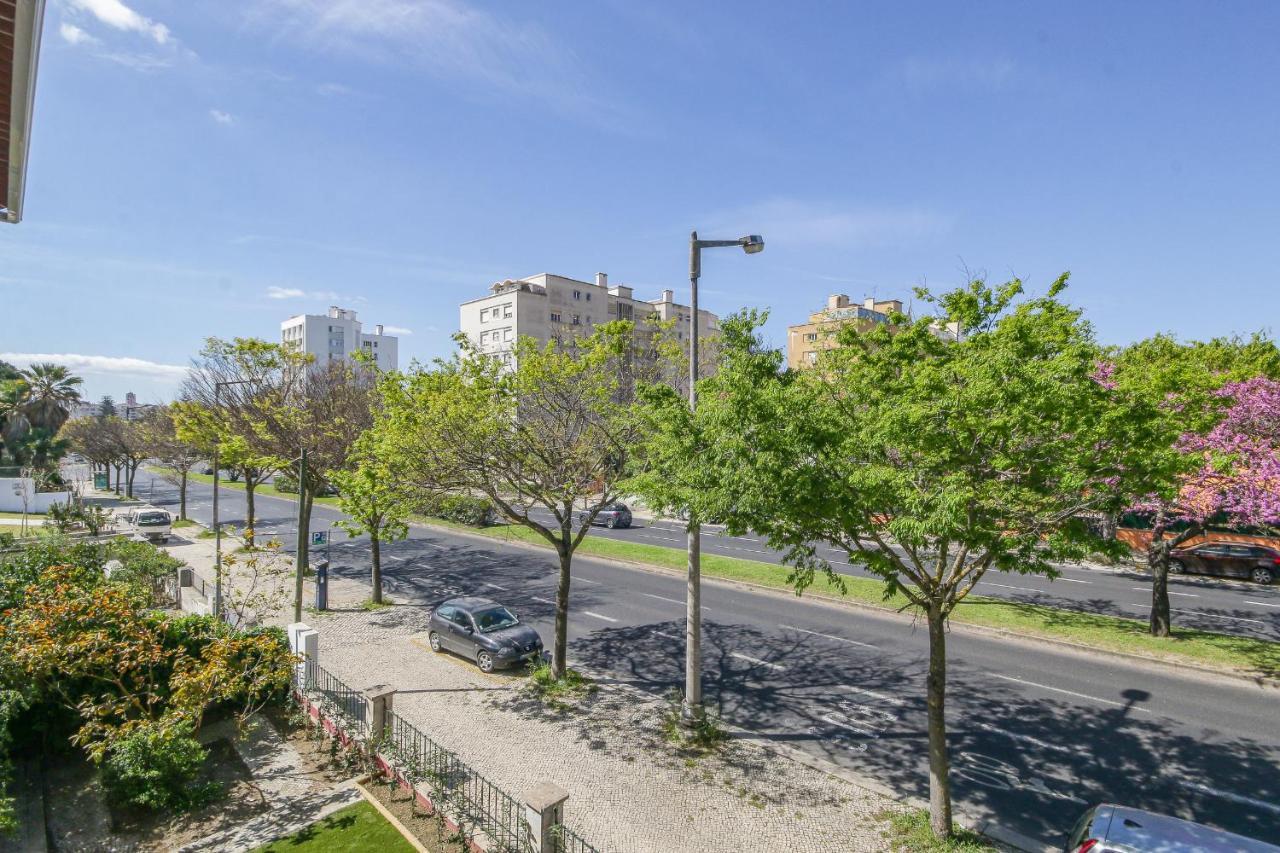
[[52, 391], [204, 429], [1170, 390], [107, 407], [165, 444], [377, 500], [13, 419], [549, 431], [930, 461], [279, 402]]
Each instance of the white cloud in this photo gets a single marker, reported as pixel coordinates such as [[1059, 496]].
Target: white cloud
[[332, 296], [222, 117], [116, 14], [99, 364], [397, 330], [448, 37], [790, 222], [72, 34]]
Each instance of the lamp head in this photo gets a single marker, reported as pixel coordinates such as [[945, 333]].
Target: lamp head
[[752, 243]]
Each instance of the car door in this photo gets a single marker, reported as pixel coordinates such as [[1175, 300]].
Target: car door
[[1243, 559], [464, 637], [444, 626], [1214, 559]]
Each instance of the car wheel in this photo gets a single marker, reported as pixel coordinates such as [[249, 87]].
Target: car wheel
[[610, 522], [435, 642], [1261, 574], [485, 661], [1177, 567]]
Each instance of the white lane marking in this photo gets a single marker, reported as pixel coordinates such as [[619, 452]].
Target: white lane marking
[[668, 636], [1069, 692], [1007, 586], [835, 718], [662, 598], [1026, 739], [587, 580], [828, 636], [1227, 795], [757, 661], [892, 700], [543, 600], [1262, 603], [495, 586], [432, 544], [397, 559], [1070, 580], [599, 616], [1171, 592]]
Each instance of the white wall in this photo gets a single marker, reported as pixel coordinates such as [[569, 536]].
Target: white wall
[[11, 498]]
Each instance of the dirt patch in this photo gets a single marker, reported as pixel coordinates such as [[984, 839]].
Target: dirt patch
[[425, 826]]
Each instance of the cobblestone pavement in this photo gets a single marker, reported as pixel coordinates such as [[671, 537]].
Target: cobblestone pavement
[[630, 789]]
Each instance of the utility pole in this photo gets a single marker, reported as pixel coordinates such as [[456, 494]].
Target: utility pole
[[300, 558]]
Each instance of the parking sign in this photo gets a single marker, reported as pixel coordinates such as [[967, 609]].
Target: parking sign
[[320, 537]]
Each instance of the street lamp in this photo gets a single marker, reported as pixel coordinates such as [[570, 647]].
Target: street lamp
[[217, 528], [691, 708]]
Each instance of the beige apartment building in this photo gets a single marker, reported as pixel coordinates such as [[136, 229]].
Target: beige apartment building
[[555, 307], [806, 341]]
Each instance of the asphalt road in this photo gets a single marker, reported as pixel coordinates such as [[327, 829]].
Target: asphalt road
[[1036, 733]]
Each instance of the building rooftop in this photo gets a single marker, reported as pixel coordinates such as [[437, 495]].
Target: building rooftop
[[20, 22]]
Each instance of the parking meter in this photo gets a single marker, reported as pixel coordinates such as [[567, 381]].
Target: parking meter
[[322, 584]]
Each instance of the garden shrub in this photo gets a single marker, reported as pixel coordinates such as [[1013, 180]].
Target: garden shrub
[[155, 766]]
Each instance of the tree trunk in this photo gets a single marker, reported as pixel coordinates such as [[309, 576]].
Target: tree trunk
[[376, 568], [107, 468], [560, 650], [182, 498], [939, 762], [130, 470], [1158, 562], [300, 559], [249, 517]]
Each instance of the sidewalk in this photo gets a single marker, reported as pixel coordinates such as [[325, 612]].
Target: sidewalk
[[629, 789]]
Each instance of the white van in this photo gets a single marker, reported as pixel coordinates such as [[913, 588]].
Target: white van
[[155, 524]]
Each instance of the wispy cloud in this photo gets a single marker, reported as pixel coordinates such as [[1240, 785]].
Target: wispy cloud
[[116, 14], [397, 330], [222, 117], [450, 38], [334, 89], [275, 292], [929, 73], [72, 34], [99, 364], [791, 222]]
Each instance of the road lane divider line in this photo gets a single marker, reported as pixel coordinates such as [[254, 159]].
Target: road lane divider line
[[749, 659], [1007, 586], [1027, 739], [495, 586], [668, 636], [828, 636], [587, 580], [1227, 795], [543, 600], [1171, 592], [1069, 580], [892, 700], [663, 598], [1262, 603], [1070, 693], [599, 616]]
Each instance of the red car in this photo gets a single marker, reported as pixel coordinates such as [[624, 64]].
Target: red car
[[1227, 559]]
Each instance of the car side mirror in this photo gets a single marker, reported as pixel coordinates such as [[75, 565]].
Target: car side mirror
[[470, 630]]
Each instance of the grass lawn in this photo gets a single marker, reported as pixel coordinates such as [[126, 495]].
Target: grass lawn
[[32, 517], [179, 523], [1108, 633], [356, 828]]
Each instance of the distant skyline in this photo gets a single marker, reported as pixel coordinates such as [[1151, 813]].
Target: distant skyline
[[210, 168]]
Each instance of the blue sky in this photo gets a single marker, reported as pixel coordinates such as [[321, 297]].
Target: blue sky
[[210, 168]]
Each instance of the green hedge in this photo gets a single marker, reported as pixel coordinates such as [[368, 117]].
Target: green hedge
[[476, 512]]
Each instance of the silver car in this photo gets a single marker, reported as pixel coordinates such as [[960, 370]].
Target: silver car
[[1117, 829]]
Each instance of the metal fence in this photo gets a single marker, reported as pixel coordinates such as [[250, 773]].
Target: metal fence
[[448, 781]]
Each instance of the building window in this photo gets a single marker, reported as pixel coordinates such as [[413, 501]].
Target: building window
[[588, 296], [577, 294], [555, 318], [506, 334], [576, 321], [811, 336], [506, 311]]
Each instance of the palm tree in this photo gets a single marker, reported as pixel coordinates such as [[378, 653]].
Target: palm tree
[[52, 392], [13, 421]]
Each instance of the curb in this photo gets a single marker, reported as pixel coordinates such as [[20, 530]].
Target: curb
[[1178, 667]]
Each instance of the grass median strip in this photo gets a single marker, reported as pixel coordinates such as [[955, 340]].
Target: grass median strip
[[1106, 633]]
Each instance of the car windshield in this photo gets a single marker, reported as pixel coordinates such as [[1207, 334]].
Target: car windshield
[[153, 518], [494, 619]]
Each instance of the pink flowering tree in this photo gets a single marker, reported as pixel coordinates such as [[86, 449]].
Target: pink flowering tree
[[1201, 423]]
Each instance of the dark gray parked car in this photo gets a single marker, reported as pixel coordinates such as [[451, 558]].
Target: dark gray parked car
[[611, 516], [483, 631], [1118, 829]]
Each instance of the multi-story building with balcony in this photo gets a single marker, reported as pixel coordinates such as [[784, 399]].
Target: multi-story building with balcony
[[807, 340]]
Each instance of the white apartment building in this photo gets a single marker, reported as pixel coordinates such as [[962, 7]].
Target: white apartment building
[[547, 307], [338, 335]]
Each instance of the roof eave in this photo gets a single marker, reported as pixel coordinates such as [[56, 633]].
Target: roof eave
[[26, 53]]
